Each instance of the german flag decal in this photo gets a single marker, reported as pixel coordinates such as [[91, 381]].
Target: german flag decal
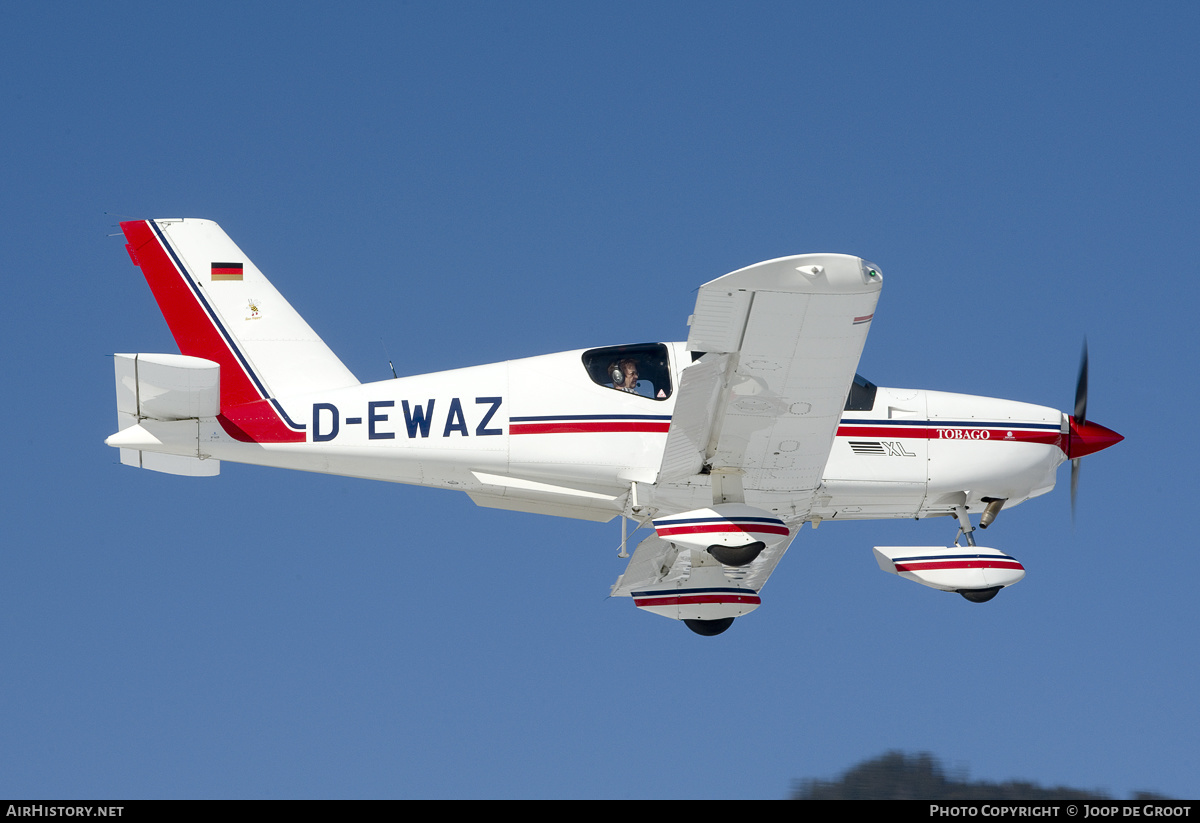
[[226, 271]]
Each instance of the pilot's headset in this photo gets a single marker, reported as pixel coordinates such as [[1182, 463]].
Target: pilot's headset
[[617, 374]]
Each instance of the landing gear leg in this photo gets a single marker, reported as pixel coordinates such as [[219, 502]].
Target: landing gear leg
[[965, 529], [964, 526]]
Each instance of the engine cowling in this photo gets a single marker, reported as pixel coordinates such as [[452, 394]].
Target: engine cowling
[[975, 572]]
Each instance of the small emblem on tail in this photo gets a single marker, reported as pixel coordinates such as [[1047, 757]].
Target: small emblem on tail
[[226, 271]]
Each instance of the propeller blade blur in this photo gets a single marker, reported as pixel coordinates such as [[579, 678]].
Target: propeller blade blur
[[1081, 388]]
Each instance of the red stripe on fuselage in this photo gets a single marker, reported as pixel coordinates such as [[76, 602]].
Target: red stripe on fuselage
[[574, 427], [257, 422], [957, 433], [245, 414]]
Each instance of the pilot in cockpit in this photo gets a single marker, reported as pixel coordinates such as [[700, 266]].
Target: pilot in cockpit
[[624, 375]]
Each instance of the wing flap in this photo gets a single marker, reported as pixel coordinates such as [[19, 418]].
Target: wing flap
[[654, 561], [657, 563], [693, 419]]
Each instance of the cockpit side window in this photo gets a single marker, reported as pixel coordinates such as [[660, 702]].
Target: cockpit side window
[[642, 369], [862, 394]]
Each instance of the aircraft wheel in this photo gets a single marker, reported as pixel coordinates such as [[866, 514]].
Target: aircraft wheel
[[709, 628], [980, 595]]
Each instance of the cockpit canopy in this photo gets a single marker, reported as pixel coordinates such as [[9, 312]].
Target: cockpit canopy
[[862, 394], [643, 369]]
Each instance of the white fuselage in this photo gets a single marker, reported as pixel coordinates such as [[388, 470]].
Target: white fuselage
[[542, 435]]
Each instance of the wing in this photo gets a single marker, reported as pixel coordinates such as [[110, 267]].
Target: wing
[[756, 415], [758, 412]]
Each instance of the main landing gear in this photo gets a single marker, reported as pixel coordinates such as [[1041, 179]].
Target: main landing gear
[[975, 572], [709, 628], [965, 529]]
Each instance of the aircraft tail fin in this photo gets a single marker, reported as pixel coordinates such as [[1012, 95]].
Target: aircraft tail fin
[[220, 307]]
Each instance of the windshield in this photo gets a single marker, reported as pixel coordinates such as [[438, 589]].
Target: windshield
[[862, 394]]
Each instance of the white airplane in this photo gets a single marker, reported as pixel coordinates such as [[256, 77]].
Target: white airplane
[[723, 446]]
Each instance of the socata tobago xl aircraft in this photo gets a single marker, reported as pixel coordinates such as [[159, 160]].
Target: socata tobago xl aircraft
[[724, 446]]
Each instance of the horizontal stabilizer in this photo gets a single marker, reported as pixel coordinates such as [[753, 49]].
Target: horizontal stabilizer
[[171, 463], [167, 386], [161, 399]]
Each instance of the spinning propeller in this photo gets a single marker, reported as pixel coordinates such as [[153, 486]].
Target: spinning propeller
[[1084, 438]]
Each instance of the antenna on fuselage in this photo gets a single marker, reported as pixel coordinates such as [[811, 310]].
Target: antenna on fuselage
[[389, 358]]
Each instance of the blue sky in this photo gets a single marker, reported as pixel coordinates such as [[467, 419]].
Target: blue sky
[[470, 182]]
